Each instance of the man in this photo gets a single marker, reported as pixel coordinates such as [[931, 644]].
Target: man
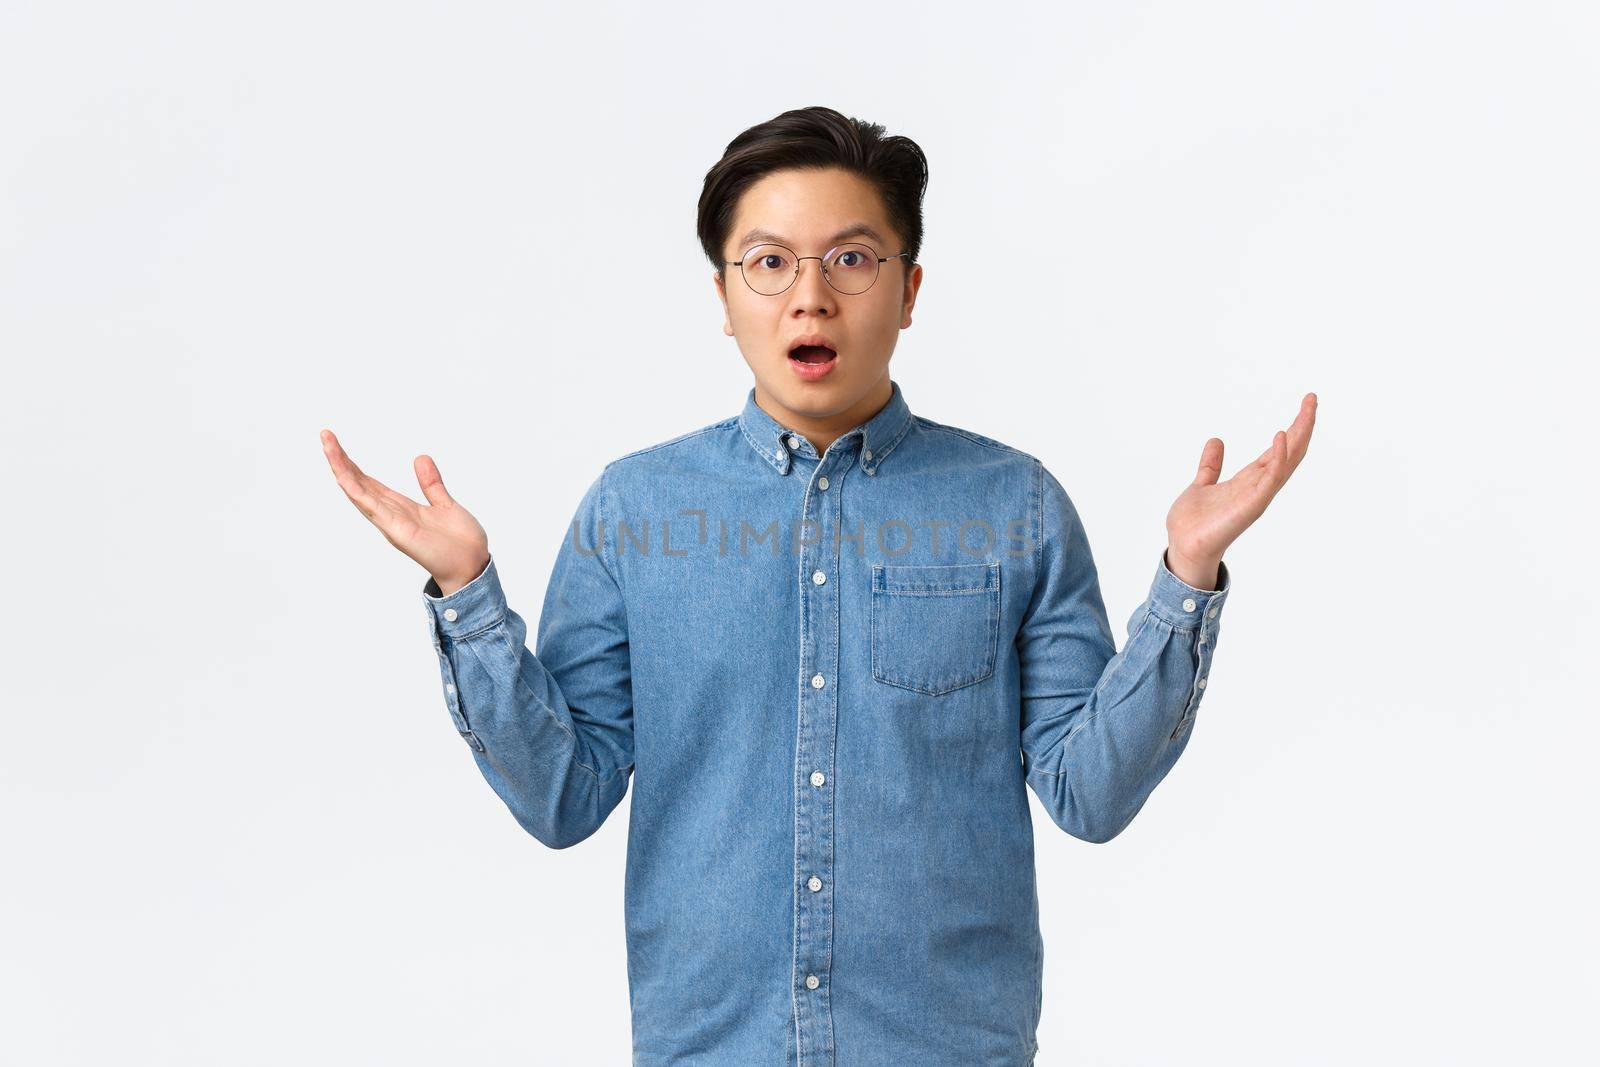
[[830, 641]]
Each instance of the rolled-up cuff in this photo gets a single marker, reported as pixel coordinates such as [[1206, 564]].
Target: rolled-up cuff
[[1177, 602], [478, 605]]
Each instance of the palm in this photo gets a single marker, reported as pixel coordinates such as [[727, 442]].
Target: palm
[[1209, 515], [441, 535]]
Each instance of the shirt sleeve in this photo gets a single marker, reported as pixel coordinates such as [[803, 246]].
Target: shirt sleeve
[[552, 730], [1101, 728]]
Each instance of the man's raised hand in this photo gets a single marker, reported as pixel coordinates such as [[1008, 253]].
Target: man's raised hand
[[441, 535], [1209, 515]]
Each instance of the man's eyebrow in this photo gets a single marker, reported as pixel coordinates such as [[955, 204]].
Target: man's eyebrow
[[859, 229]]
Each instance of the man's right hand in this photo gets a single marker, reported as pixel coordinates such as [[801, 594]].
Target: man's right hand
[[441, 535]]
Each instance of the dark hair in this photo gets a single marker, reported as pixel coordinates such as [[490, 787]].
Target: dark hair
[[816, 138]]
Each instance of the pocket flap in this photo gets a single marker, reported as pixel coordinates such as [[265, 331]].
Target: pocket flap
[[947, 580]]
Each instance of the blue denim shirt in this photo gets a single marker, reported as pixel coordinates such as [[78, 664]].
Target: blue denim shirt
[[829, 677]]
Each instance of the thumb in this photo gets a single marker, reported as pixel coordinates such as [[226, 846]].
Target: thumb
[[432, 485], [1210, 462]]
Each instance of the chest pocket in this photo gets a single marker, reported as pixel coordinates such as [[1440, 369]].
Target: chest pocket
[[934, 628]]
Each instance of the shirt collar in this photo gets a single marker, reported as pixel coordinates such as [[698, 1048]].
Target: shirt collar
[[878, 434]]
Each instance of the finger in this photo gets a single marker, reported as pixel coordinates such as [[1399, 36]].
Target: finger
[[1260, 481], [1300, 429], [1210, 462], [1265, 458], [374, 499], [344, 468], [349, 476], [1278, 467], [1296, 440], [338, 459], [1299, 433], [432, 484]]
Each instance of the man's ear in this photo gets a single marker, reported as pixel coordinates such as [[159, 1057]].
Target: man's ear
[[722, 294], [909, 297]]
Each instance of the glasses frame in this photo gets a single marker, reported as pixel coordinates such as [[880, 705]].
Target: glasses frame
[[822, 262]]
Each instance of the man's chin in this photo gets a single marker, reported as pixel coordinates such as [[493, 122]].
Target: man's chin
[[811, 398]]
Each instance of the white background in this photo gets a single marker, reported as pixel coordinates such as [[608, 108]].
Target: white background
[[238, 825]]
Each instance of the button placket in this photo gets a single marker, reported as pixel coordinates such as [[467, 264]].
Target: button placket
[[813, 798], [1208, 634], [452, 699], [1204, 644]]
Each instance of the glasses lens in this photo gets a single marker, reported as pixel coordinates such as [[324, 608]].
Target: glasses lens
[[769, 269], [853, 268]]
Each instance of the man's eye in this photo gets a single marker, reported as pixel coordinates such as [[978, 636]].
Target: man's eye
[[855, 260], [767, 260]]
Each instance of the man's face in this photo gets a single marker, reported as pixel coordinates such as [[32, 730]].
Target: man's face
[[806, 211]]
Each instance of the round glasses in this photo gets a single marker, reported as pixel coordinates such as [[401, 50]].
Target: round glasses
[[849, 269]]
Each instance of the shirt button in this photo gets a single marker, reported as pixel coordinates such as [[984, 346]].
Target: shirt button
[[817, 577], [1201, 683], [822, 482], [812, 982], [450, 688], [794, 442], [450, 614], [817, 778], [1211, 614], [815, 883], [866, 454], [816, 681], [1188, 603]]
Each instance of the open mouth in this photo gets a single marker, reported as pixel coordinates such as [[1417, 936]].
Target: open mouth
[[813, 354]]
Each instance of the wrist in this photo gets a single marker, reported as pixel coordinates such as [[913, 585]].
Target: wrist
[[449, 585], [1200, 573], [452, 583]]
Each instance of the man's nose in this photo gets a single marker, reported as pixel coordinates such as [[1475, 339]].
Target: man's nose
[[811, 290]]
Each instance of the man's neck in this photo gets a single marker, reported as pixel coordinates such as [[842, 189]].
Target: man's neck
[[823, 430]]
